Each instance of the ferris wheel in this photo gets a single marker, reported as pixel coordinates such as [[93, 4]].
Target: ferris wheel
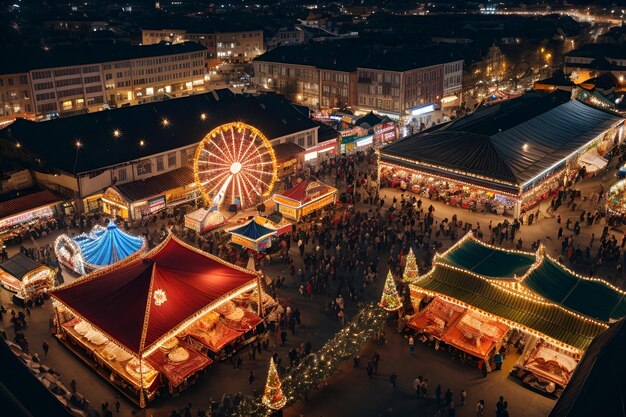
[[235, 162]]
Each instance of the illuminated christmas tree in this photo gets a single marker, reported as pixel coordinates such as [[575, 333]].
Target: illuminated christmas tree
[[273, 396], [410, 268], [390, 300]]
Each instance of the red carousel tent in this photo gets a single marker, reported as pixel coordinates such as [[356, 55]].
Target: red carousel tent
[[144, 302]]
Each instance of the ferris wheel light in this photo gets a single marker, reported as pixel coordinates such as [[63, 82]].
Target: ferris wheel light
[[235, 162]]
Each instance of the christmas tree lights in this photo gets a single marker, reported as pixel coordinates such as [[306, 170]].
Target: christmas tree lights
[[273, 396], [390, 299], [410, 268]]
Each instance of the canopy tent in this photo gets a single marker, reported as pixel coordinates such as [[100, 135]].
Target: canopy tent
[[142, 303], [548, 320], [546, 368], [26, 276], [101, 247], [473, 255], [304, 199], [203, 220], [252, 235], [437, 318], [594, 387], [505, 147], [593, 161], [589, 296], [476, 334]]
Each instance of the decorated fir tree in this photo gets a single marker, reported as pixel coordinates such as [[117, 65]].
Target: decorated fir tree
[[410, 268], [273, 396], [390, 300]]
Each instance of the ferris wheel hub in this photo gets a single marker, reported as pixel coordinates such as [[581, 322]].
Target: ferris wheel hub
[[235, 168]]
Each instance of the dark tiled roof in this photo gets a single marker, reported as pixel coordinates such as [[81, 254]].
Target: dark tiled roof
[[598, 50], [19, 265], [287, 150], [513, 141], [139, 190], [370, 119], [559, 79], [326, 132], [54, 140], [405, 59], [26, 59], [28, 202]]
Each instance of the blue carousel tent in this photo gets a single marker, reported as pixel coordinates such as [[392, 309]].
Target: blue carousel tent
[[100, 248], [252, 235]]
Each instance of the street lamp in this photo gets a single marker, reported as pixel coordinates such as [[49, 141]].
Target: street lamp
[[117, 133], [78, 144]]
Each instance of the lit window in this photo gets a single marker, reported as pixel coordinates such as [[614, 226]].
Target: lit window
[[67, 105], [149, 91]]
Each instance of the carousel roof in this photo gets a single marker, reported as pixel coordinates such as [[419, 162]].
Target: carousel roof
[[19, 265], [546, 318], [144, 301], [103, 248], [252, 230]]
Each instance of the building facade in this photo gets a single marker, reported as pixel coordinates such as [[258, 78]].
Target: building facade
[[300, 83], [138, 76], [338, 89], [233, 47]]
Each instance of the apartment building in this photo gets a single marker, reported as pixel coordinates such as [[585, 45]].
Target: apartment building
[[67, 80], [592, 60], [285, 36], [222, 46], [131, 146], [399, 82], [351, 74]]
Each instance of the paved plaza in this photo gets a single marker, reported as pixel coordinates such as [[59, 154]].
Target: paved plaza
[[350, 392]]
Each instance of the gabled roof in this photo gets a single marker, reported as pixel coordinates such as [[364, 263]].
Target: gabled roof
[[31, 201], [139, 190], [596, 387], [54, 141], [589, 296], [371, 120], [109, 247], [299, 192], [146, 300], [545, 318], [511, 142], [473, 255], [19, 265]]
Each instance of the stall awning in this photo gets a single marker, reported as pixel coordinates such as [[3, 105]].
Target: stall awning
[[109, 247], [595, 161], [19, 265], [140, 190], [149, 299], [28, 202], [544, 318], [252, 230]]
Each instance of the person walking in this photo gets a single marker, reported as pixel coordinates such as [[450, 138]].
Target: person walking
[[370, 369], [502, 407], [375, 360], [393, 380], [424, 387], [73, 386], [498, 360], [411, 345], [480, 408], [448, 396], [251, 377], [463, 397], [45, 347], [417, 386], [438, 393]]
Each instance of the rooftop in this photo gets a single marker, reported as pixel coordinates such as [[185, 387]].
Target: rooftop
[[28, 200], [27, 58], [509, 143], [55, 140], [598, 50], [139, 190]]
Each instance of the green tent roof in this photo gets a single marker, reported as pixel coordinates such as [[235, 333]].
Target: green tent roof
[[544, 318], [481, 259], [591, 298]]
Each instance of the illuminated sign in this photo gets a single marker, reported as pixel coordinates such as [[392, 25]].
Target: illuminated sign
[[25, 217], [423, 110]]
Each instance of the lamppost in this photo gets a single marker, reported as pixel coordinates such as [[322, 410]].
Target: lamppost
[[78, 145]]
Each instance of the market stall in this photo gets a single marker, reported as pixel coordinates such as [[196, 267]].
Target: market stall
[[437, 318], [252, 235], [281, 225], [101, 247], [616, 197], [116, 318], [304, 198], [476, 334], [203, 220], [546, 368], [25, 276]]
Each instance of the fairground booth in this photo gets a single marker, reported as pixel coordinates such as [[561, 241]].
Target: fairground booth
[[204, 220], [26, 277], [257, 234], [102, 246], [505, 157], [478, 300], [150, 324], [304, 198]]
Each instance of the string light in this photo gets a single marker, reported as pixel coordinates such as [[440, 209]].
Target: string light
[[117, 133]]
